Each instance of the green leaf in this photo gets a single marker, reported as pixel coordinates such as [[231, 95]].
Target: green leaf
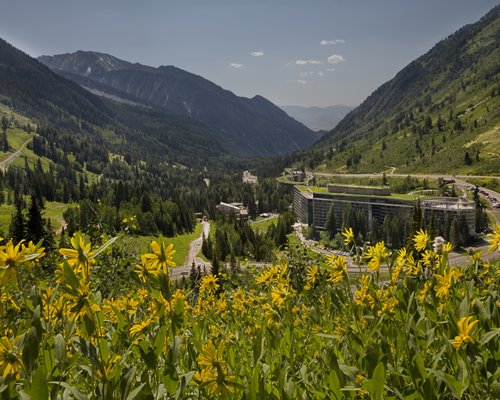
[[133, 394], [375, 385], [59, 348], [39, 387], [165, 286], [105, 246], [457, 388], [74, 391], [490, 335], [160, 340], [30, 349], [70, 277]]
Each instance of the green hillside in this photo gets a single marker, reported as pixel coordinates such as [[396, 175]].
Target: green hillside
[[441, 113]]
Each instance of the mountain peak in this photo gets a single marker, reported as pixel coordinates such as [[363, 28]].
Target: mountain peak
[[244, 127]]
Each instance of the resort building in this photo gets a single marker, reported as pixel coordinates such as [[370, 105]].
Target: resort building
[[311, 205], [236, 209]]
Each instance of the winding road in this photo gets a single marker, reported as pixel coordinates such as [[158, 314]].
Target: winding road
[[11, 157]]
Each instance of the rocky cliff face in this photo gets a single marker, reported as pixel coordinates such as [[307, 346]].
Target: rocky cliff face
[[243, 126]]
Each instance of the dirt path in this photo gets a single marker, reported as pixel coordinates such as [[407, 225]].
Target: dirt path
[[11, 157]]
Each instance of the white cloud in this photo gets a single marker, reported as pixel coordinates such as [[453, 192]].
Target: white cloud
[[335, 59], [257, 53], [330, 69], [305, 62], [301, 81], [320, 73], [306, 74], [331, 42], [235, 65]]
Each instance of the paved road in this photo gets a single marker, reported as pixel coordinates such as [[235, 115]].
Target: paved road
[[194, 249], [11, 157]]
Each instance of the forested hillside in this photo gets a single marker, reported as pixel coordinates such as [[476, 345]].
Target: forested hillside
[[242, 126], [440, 113]]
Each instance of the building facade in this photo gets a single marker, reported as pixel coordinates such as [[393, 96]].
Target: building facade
[[311, 205]]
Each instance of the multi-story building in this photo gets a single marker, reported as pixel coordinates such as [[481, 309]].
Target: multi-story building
[[311, 205]]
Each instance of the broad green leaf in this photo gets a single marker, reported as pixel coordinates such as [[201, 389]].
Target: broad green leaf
[[59, 348], [375, 385], [39, 387]]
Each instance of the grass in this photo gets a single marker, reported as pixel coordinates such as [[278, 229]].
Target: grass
[[53, 210], [140, 244], [264, 224]]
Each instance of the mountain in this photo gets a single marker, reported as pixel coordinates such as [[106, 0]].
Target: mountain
[[32, 89], [440, 113], [318, 118], [243, 126]]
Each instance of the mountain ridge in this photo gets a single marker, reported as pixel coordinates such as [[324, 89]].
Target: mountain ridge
[[243, 126], [440, 112]]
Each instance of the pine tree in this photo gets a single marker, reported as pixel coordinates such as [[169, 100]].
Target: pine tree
[[49, 241], [454, 233], [5, 126], [17, 228], [331, 223], [35, 226], [207, 248]]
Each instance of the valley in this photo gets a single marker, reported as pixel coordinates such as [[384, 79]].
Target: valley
[[168, 232]]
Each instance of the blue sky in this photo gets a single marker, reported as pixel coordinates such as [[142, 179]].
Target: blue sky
[[294, 52]]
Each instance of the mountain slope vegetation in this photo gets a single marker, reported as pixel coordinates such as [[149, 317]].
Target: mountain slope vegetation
[[244, 127], [440, 113]]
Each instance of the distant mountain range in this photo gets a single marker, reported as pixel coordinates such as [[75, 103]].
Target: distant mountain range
[[242, 126], [318, 118], [33, 90], [441, 113]]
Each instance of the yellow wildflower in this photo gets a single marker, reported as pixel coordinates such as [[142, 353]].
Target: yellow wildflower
[[430, 259], [214, 374], [495, 239], [161, 255], [34, 252], [10, 258], [464, 336], [280, 293], [376, 254], [447, 248], [10, 358], [138, 330], [348, 236], [421, 240], [338, 269], [445, 282], [209, 284], [145, 269], [311, 276], [423, 293], [80, 301], [80, 257]]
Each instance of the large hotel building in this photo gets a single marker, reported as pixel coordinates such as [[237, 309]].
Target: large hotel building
[[311, 204]]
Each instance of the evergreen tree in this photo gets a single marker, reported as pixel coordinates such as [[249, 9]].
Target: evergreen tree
[[206, 246], [331, 223], [215, 270], [455, 233], [63, 239], [5, 126], [49, 241], [35, 225], [17, 228]]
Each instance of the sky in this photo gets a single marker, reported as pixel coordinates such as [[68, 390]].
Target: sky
[[293, 52]]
